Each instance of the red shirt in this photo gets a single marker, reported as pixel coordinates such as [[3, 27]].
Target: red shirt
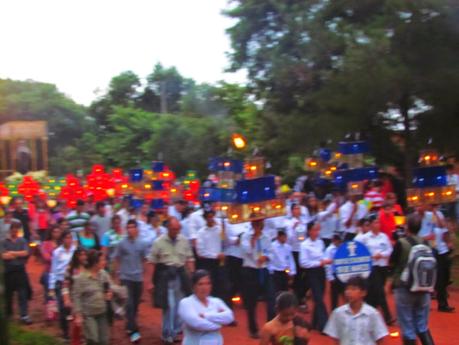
[[387, 220]]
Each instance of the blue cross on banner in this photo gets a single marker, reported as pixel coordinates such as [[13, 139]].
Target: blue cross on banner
[[351, 258]]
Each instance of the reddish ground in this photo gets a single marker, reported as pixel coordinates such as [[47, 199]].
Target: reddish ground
[[444, 327]]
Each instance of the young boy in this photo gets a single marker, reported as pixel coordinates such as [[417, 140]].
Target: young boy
[[282, 265], [356, 322]]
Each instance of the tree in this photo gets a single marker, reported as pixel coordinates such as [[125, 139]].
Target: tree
[[377, 65], [29, 100]]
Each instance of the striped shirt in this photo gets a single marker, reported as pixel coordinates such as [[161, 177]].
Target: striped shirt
[[77, 220]]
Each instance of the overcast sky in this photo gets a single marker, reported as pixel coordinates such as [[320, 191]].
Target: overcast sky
[[79, 45]]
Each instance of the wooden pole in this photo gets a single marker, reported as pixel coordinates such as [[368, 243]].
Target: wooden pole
[[44, 152], [34, 154], [13, 154]]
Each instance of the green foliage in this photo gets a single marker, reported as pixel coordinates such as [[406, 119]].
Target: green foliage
[[379, 66], [21, 336], [39, 101]]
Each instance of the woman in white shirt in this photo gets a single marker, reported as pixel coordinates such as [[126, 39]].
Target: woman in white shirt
[[202, 315], [313, 261], [380, 249]]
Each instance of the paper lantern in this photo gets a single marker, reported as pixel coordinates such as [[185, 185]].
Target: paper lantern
[[226, 164], [157, 166], [353, 147], [217, 195], [434, 176], [135, 175], [254, 168], [256, 190], [355, 188], [428, 158], [325, 154], [240, 213]]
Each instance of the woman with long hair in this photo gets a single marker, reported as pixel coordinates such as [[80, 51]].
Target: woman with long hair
[[380, 248], [203, 315], [76, 266], [88, 238]]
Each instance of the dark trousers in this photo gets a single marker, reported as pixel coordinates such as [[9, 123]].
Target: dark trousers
[[299, 282], [257, 283], [17, 281], [234, 268], [64, 312], [280, 282], [316, 281], [218, 277], [336, 290], [443, 276], [134, 294], [376, 296]]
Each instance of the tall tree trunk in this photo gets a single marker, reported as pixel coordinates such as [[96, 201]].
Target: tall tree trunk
[[404, 109]]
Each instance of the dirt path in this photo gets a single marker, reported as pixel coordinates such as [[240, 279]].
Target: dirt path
[[444, 327]]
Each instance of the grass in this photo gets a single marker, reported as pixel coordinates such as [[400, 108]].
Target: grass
[[21, 336]]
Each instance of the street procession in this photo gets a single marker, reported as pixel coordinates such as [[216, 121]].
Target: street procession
[[297, 184]]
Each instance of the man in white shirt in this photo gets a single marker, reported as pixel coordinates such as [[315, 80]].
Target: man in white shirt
[[176, 210], [233, 253], [356, 322], [257, 252], [209, 248], [282, 265]]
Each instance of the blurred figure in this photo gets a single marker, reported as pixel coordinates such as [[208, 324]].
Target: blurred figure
[[257, 251], [90, 293], [172, 260], [285, 328], [100, 221], [15, 252], [77, 218]]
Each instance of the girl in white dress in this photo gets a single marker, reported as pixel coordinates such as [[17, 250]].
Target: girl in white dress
[[203, 315]]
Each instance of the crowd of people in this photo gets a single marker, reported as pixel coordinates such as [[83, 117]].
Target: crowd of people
[[98, 258]]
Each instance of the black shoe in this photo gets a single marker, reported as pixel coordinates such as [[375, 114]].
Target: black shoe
[[446, 309], [233, 324], [254, 335]]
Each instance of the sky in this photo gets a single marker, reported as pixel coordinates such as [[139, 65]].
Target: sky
[[79, 45]]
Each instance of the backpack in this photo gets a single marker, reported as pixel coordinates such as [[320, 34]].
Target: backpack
[[420, 272]]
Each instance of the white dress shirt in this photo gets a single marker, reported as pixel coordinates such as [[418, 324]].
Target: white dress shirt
[[345, 212], [364, 328], [296, 233], [311, 253], [172, 212], [282, 258], [272, 226], [233, 234], [250, 255], [440, 244], [196, 223], [378, 244], [202, 323], [59, 263], [328, 221], [209, 242]]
